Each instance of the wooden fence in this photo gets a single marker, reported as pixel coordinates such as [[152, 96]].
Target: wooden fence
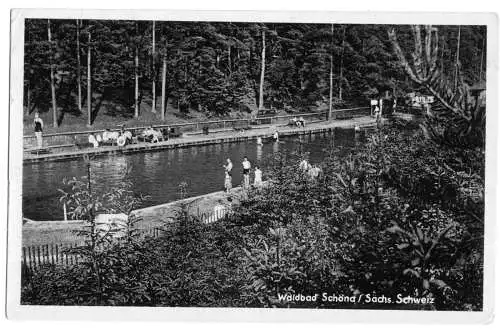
[[69, 139], [35, 257]]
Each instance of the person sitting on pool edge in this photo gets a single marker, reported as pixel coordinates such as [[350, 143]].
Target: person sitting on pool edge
[[105, 135]]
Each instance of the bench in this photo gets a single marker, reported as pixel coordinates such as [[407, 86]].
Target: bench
[[242, 128], [342, 115]]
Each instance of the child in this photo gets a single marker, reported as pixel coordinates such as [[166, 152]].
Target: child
[[257, 182], [227, 183]]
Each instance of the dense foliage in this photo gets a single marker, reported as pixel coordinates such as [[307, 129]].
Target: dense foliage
[[215, 67], [398, 216]]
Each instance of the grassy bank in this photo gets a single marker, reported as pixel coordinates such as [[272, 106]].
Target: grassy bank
[[107, 119]]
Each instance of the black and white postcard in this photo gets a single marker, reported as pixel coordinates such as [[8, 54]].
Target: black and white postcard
[[241, 166]]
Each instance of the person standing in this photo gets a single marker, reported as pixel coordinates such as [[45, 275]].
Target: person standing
[[228, 176], [246, 172], [377, 113], [228, 185], [257, 182], [228, 166], [38, 125]]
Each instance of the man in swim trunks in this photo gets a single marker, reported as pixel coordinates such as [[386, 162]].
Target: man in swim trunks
[[246, 172]]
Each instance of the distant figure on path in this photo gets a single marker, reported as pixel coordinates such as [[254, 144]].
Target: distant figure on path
[[302, 121], [257, 182], [246, 172], [377, 113], [373, 104], [259, 141], [38, 126], [276, 135]]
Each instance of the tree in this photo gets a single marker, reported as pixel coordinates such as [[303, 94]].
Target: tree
[[52, 79], [153, 69], [89, 79], [136, 74], [78, 66], [341, 63], [330, 104], [456, 120], [262, 70]]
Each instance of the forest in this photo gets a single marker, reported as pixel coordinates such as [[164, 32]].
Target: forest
[[85, 68]]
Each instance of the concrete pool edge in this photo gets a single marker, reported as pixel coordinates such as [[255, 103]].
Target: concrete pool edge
[[191, 141], [35, 233]]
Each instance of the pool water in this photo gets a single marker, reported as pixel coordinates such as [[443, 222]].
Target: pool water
[[158, 174]]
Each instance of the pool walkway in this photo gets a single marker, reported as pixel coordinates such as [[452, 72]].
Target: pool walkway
[[198, 139], [38, 233]]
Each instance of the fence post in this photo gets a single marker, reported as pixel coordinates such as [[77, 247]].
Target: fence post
[[65, 212], [31, 257], [66, 258], [47, 255], [25, 265], [38, 256]]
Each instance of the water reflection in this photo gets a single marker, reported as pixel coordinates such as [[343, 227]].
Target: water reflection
[[258, 156]]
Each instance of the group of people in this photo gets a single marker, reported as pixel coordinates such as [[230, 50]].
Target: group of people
[[247, 167], [124, 137], [275, 137], [121, 138], [313, 171], [151, 135], [298, 122]]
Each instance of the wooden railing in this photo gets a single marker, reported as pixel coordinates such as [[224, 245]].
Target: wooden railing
[[68, 139]]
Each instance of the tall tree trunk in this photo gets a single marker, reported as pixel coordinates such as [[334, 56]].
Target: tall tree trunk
[[164, 86], [136, 74], [229, 59], [457, 58], [482, 59], [78, 66], [153, 102], [29, 99], [52, 82], [89, 82], [262, 70], [330, 108], [442, 59], [341, 64]]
